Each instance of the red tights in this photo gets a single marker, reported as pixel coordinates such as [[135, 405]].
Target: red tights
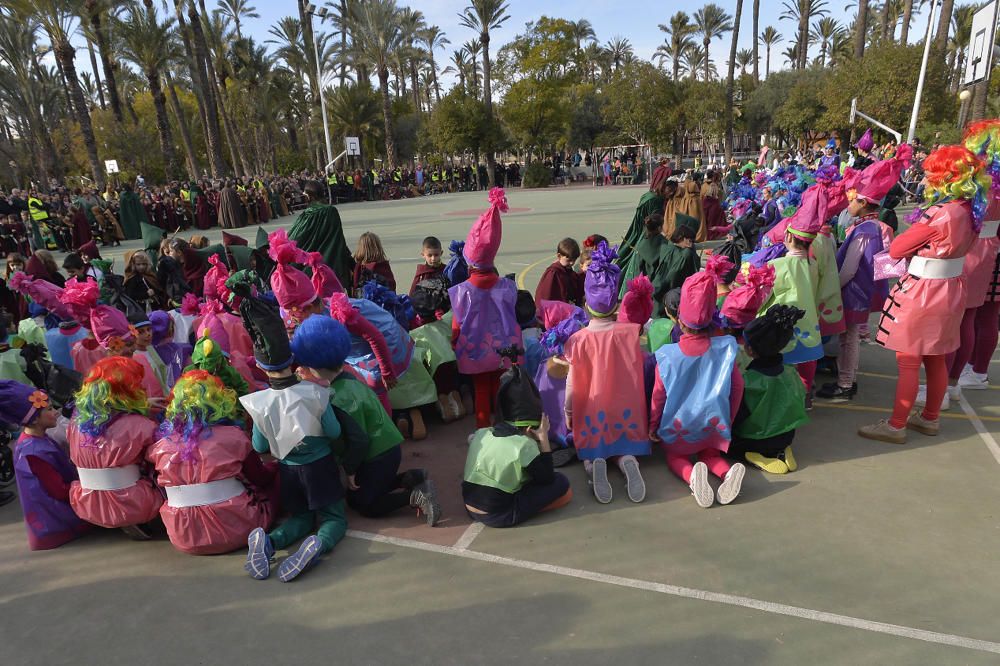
[[681, 465], [807, 372], [986, 336], [485, 385], [906, 386], [958, 358]]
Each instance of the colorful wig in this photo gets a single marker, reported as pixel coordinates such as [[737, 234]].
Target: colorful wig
[[954, 172], [199, 400], [983, 139], [113, 385]]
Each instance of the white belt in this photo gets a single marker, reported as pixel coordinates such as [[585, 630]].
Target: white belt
[[935, 269], [108, 478], [989, 229], [203, 494]]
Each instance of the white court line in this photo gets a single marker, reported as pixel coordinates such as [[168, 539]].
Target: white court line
[[980, 427], [468, 536], [692, 593]]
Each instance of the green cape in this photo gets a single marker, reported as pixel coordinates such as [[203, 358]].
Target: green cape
[[319, 229], [132, 215]]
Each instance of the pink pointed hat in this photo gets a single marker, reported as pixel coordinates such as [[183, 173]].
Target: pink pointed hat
[[215, 279], [42, 292], [292, 288], [744, 301], [325, 282], [551, 313], [216, 330], [80, 298], [811, 214], [637, 305], [110, 326], [698, 295], [865, 143], [189, 304], [878, 178], [483, 241]]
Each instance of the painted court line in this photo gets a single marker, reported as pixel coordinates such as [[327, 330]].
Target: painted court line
[[977, 423], [468, 536], [692, 593], [886, 410]]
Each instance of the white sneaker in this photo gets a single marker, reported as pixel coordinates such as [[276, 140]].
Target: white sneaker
[[703, 493], [974, 381], [954, 393], [922, 398], [731, 485]]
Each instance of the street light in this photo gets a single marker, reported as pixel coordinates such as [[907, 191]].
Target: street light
[[321, 13], [923, 73]]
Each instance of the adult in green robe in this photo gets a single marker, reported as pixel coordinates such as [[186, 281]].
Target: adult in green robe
[[319, 229], [131, 213], [650, 202]]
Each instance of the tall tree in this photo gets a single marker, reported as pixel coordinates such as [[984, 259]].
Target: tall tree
[[679, 30], [860, 29], [770, 38], [756, 34], [146, 42], [236, 11], [583, 31], [411, 22], [904, 31], [620, 49], [802, 12], [433, 39], [825, 31], [375, 37], [944, 25], [730, 78], [712, 23], [94, 9], [483, 16]]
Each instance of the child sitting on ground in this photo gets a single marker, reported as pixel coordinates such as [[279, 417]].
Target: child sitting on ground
[[559, 281], [773, 404], [42, 469], [508, 472], [432, 266], [371, 263]]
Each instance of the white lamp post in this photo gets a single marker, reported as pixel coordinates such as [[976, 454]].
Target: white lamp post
[[923, 73], [321, 13]]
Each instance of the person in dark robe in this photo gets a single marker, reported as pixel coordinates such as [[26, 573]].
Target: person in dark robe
[[711, 193], [141, 284], [192, 264], [559, 282], [232, 214], [679, 260], [80, 232], [131, 213], [650, 202], [319, 229]]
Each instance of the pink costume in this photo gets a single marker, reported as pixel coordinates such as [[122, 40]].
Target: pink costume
[[85, 353], [150, 383], [923, 312], [214, 490], [112, 490]]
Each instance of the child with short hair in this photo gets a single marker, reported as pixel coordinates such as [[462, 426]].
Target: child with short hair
[[42, 468], [559, 281], [371, 262], [432, 267]]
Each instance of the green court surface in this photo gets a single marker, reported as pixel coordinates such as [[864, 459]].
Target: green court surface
[[868, 554]]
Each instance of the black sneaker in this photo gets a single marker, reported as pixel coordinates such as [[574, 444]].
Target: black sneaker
[[835, 393], [828, 365], [809, 401], [412, 478], [563, 457]]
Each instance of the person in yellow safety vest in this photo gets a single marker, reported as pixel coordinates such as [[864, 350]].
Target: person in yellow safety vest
[[435, 177], [350, 179], [37, 209], [240, 187], [397, 175], [258, 184], [185, 195], [332, 179]]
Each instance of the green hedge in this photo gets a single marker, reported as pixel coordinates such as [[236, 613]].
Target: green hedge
[[537, 175]]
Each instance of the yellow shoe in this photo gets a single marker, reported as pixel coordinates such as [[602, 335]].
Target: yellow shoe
[[790, 459], [770, 465]]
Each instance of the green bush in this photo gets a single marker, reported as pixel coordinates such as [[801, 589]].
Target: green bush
[[537, 175]]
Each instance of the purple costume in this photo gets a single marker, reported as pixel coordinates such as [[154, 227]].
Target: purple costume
[[862, 291], [487, 323], [50, 522]]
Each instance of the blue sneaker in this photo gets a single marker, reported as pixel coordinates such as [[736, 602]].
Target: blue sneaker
[[259, 554], [302, 559]]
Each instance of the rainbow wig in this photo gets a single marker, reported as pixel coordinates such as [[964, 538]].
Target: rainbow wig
[[954, 172], [321, 343], [114, 385], [199, 400], [983, 139]]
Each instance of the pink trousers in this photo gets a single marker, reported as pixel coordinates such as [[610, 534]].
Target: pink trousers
[[681, 465], [850, 356]]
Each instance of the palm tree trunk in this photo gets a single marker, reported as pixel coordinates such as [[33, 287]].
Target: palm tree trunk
[[163, 124], [729, 80], [884, 21], [676, 57], [97, 75], [236, 148], [484, 40], [343, 42], [94, 12], [904, 32], [803, 41], [861, 29], [708, 61], [415, 85], [980, 91], [437, 87], [216, 163], [390, 141], [756, 28], [64, 52], [767, 62], [944, 25], [182, 124]]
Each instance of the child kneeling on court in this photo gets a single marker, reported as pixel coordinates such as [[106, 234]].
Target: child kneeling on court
[[773, 403], [696, 395], [508, 472]]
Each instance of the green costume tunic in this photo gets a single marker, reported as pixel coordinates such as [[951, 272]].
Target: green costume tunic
[[499, 462], [29, 331], [131, 214], [319, 229], [364, 407], [660, 332], [650, 202], [433, 342], [776, 404], [12, 366], [415, 387]]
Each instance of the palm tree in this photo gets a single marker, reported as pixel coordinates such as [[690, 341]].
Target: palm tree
[[728, 111], [375, 37], [583, 31], [904, 31], [196, 51], [459, 66], [59, 21], [825, 31], [679, 29], [483, 16], [354, 111], [696, 61], [711, 22], [472, 50], [770, 38], [744, 57], [433, 39], [592, 58], [791, 55], [756, 53], [860, 29], [802, 11], [944, 25], [146, 42], [94, 10], [619, 48], [958, 45], [237, 10], [841, 48]]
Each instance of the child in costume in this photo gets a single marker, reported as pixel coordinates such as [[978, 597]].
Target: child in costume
[[664, 330], [697, 395], [921, 319], [154, 376], [483, 307], [559, 281], [606, 405], [292, 288], [41, 467], [371, 262], [217, 488], [211, 354], [175, 355], [432, 344], [432, 267], [561, 321], [773, 403], [508, 474], [319, 346], [109, 435], [294, 421]]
